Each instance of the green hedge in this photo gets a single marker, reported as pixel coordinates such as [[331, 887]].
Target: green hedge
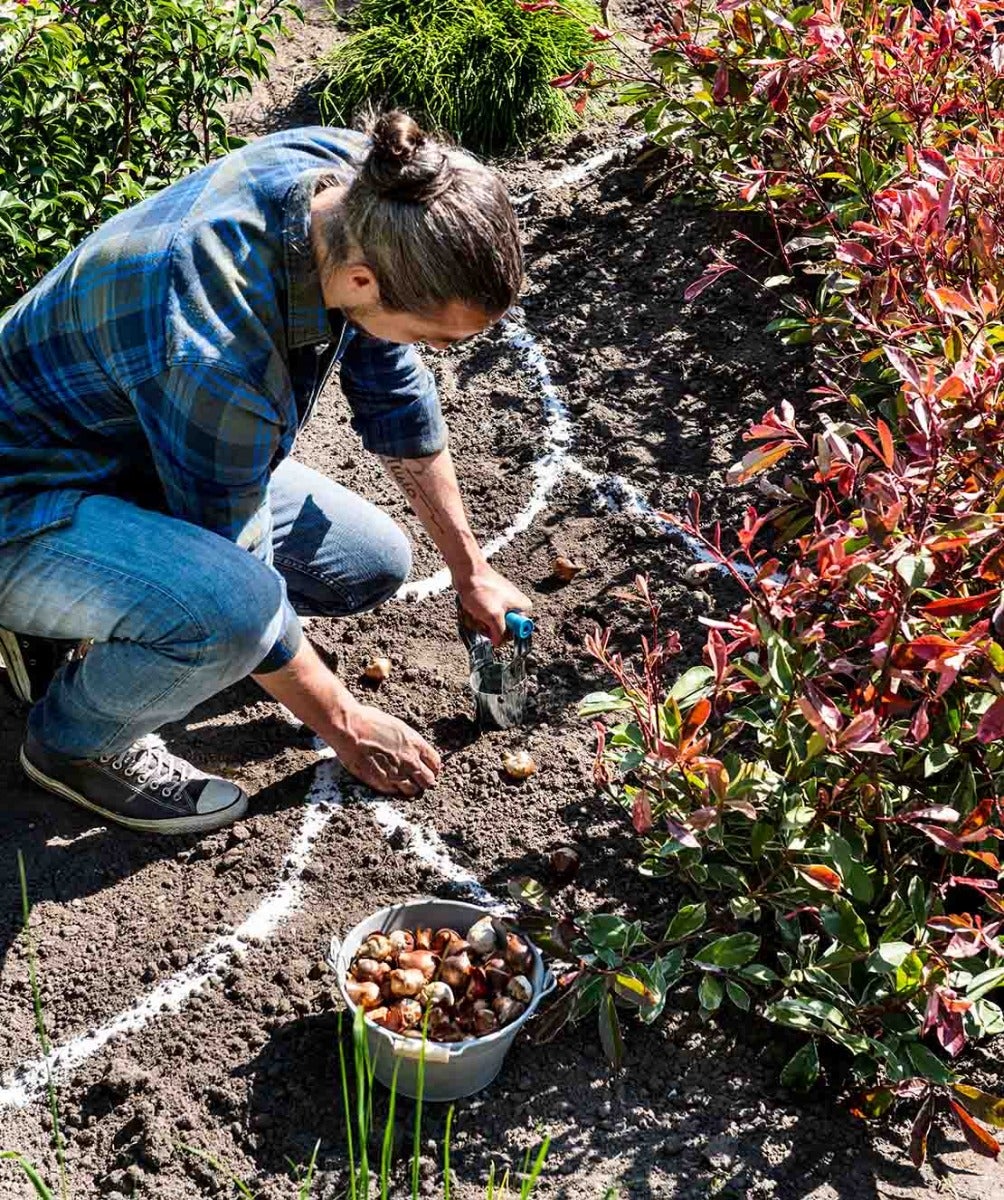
[[103, 102]]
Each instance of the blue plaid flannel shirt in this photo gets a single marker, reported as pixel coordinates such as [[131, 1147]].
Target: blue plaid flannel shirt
[[171, 358]]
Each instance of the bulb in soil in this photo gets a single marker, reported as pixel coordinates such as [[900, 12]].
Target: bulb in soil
[[437, 993], [481, 936], [401, 940], [368, 970], [418, 960], [365, 995], [377, 669], [520, 988], [406, 983], [377, 1015], [564, 863], [518, 955], [451, 1032], [423, 938], [411, 1013], [377, 946], [507, 1009], [518, 764], [447, 941], [565, 569]]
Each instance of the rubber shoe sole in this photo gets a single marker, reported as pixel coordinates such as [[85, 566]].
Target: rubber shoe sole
[[200, 823]]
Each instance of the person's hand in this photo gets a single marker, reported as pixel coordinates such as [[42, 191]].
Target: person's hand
[[486, 597], [383, 752]]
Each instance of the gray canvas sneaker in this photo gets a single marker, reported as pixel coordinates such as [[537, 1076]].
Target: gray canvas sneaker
[[144, 787]]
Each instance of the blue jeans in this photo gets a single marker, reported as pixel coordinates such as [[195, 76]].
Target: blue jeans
[[178, 613]]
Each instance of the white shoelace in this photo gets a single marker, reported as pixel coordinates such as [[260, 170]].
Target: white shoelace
[[152, 765]]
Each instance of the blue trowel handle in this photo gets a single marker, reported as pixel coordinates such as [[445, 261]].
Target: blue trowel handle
[[518, 624]]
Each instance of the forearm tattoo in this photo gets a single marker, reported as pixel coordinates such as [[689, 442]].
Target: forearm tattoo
[[407, 473]]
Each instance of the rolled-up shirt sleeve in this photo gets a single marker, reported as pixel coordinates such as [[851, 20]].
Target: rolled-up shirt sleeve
[[393, 397], [213, 439]]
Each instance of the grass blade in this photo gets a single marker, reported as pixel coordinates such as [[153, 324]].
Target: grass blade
[[446, 1153], [347, 1109], [388, 1137], [43, 1037], [37, 1182]]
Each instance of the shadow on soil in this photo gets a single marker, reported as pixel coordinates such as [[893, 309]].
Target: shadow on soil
[[693, 1115]]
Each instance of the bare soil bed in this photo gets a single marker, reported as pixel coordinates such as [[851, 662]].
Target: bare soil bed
[[245, 1068]]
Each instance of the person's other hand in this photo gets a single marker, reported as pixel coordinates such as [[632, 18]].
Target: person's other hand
[[383, 752]]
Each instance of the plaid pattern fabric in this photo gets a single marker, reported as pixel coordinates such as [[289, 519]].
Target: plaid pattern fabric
[[171, 357]]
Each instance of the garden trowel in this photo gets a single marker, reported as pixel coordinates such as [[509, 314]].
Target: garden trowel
[[498, 685]]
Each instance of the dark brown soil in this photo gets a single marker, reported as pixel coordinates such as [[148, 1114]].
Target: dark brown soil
[[246, 1071]]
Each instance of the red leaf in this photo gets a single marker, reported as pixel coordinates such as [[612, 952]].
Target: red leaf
[[720, 88], [957, 606], [821, 876], [694, 721], [641, 813], [946, 840], [710, 276], [972, 827], [991, 725], [580, 102], [992, 567], [918, 1134], [680, 833], [920, 726], [932, 812], [932, 163], [853, 252], [974, 1133]]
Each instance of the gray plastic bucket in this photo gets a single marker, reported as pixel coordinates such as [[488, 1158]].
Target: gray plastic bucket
[[452, 1069]]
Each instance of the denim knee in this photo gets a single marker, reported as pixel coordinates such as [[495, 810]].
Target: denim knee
[[388, 566], [242, 611]]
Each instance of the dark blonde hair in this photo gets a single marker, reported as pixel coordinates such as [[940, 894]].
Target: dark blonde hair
[[433, 224]]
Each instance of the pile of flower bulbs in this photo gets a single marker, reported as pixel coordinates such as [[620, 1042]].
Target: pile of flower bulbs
[[470, 986]]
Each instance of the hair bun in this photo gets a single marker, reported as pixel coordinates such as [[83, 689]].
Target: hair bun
[[404, 163]]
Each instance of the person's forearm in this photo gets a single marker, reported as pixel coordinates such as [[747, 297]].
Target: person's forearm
[[311, 692], [430, 484]]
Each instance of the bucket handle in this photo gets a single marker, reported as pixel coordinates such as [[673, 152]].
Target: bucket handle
[[435, 1052]]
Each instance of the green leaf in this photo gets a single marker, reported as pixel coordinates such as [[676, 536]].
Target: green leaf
[[984, 1106], [631, 989], [806, 1014], [530, 892], [985, 982], [597, 703], [689, 919], [760, 835], [801, 1071], [927, 1064], [915, 569], [757, 973], [888, 956], [611, 1037], [710, 992], [612, 932], [735, 950], [916, 892], [841, 921], [739, 996], [693, 685], [777, 663]]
